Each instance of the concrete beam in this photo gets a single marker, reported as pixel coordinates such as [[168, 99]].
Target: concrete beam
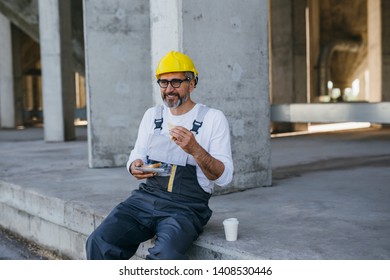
[[332, 112], [23, 14]]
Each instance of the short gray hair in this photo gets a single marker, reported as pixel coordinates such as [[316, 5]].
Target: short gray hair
[[189, 75]]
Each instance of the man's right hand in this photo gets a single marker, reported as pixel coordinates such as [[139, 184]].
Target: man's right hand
[[139, 174]]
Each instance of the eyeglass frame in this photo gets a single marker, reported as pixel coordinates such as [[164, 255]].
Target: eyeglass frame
[[173, 80]]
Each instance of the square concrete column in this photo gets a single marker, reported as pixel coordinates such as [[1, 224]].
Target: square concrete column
[[7, 101], [379, 49], [166, 34], [374, 31], [118, 77], [18, 75], [57, 70], [228, 42], [313, 50], [289, 71], [288, 51], [385, 18]]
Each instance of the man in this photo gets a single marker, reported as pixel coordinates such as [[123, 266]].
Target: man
[[190, 157]]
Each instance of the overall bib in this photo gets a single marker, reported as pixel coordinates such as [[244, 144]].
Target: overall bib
[[172, 208]]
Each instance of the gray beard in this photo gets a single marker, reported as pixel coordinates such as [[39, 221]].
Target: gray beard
[[177, 103]]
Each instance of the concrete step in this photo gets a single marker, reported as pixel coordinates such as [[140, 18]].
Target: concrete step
[[63, 226]]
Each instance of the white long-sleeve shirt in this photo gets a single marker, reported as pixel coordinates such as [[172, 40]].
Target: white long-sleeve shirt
[[213, 136]]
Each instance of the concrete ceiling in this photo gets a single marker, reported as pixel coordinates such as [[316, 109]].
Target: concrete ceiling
[[24, 15], [339, 19]]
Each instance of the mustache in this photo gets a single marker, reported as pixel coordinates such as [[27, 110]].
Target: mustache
[[171, 94]]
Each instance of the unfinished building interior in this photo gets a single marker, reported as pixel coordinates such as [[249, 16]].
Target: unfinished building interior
[[306, 62]]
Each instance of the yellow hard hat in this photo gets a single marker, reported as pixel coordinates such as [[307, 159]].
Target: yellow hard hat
[[175, 62]]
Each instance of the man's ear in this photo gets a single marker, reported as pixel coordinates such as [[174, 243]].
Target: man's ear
[[192, 84]]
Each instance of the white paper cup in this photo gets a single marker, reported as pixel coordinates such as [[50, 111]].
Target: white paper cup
[[231, 229]]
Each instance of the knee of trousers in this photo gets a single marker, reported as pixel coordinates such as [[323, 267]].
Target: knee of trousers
[[93, 247], [98, 249]]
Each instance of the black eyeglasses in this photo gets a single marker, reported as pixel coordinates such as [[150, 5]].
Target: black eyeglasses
[[175, 83]]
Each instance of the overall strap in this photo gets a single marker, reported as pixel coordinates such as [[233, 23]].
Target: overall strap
[[158, 120], [199, 118]]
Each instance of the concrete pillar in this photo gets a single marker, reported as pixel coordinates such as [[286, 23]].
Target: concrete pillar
[[288, 56], [374, 49], [18, 75], [118, 76], [281, 51], [299, 52], [7, 101], [385, 19], [57, 70], [313, 49], [229, 44], [288, 51], [379, 50], [166, 27]]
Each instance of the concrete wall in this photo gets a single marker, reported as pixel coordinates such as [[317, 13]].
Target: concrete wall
[[117, 49], [229, 43]]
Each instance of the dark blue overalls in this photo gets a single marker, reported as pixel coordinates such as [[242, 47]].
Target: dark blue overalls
[[173, 208]]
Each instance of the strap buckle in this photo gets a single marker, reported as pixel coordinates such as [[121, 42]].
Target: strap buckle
[[158, 123], [195, 126]]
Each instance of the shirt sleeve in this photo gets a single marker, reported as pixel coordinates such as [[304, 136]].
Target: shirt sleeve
[[220, 147], [140, 147]]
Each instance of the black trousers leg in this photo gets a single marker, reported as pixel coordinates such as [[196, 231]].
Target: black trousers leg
[[174, 237], [118, 236]]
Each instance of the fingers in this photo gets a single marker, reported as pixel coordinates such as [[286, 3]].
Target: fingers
[[144, 175], [139, 174], [180, 135], [135, 163], [184, 138]]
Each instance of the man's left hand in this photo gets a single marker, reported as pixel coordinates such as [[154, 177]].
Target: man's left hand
[[185, 139]]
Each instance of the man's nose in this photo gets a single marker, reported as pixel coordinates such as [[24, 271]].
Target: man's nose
[[170, 88]]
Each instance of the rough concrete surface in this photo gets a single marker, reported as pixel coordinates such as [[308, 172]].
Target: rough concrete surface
[[329, 199]]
